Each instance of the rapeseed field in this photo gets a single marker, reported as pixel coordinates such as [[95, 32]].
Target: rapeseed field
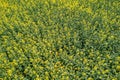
[[59, 39]]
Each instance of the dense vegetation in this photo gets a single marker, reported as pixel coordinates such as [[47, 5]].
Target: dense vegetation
[[59, 40]]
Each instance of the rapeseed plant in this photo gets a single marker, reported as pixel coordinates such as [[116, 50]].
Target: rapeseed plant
[[59, 39]]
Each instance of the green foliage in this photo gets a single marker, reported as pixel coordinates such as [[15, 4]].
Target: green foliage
[[59, 39]]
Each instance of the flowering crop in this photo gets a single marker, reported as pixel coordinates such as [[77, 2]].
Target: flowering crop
[[59, 40]]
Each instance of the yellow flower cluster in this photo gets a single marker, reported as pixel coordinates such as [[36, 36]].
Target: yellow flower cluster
[[59, 40]]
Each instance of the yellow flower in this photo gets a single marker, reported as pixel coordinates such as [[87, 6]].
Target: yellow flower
[[118, 58], [71, 57], [65, 28], [1, 31], [85, 60], [93, 72], [114, 79], [91, 54], [1, 78], [118, 68], [81, 53], [90, 78], [19, 35], [116, 62], [67, 78], [41, 68], [9, 72], [98, 72], [107, 71], [93, 1], [5, 37], [108, 56], [23, 41], [89, 10], [84, 74], [5, 4], [34, 72], [111, 37], [53, 1], [95, 67], [64, 73], [61, 50], [38, 78], [14, 63]]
